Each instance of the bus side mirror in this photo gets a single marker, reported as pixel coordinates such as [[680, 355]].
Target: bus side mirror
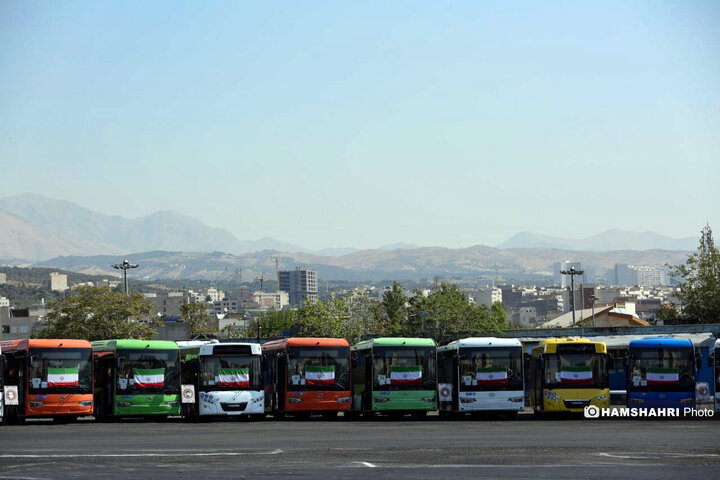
[[711, 359], [611, 362], [698, 360]]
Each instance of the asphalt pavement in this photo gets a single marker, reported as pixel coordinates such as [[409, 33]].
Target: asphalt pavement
[[433, 448]]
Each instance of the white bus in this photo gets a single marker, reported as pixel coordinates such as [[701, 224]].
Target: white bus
[[226, 379], [481, 375]]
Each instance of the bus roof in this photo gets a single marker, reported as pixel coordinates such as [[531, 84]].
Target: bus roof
[[26, 343], [550, 345], [481, 342], [655, 342], [305, 342], [208, 349], [395, 342], [128, 344]]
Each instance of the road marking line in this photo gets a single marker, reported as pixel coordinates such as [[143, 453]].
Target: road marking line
[[648, 455], [138, 455], [367, 464]]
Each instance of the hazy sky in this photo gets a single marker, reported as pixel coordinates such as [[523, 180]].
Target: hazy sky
[[367, 123]]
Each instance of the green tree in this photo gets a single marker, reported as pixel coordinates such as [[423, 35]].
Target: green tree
[[446, 314], [395, 309], [273, 323], [99, 314], [195, 315], [667, 314], [323, 319], [365, 318], [700, 288]]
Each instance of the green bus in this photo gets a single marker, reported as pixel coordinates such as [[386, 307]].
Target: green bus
[[136, 378], [394, 376]]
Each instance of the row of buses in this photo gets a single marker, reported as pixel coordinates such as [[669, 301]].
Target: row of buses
[[64, 379]]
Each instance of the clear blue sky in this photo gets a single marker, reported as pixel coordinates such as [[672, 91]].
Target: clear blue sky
[[366, 123]]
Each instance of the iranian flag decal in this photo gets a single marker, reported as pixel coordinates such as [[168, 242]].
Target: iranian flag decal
[[662, 376], [320, 375], [576, 375], [62, 377], [152, 378], [233, 377], [491, 376], [405, 375]]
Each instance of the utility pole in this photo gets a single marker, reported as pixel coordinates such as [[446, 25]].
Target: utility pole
[[593, 299], [572, 272], [124, 266]]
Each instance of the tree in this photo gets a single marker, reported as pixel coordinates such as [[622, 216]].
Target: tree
[[446, 314], [99, 314], [195, 315], [667, 314], [700, 288], [323, 319], [395, 308], [273, 323]]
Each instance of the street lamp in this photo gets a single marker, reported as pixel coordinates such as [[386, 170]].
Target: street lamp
[[593, 299], [572, 272], [124, 266]]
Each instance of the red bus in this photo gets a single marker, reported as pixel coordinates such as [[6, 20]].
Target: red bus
[[303, 376], [54, 378]]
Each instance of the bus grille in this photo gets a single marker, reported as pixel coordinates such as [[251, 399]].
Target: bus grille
[[576, 403], [233, 407]]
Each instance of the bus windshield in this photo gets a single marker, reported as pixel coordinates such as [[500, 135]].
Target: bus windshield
[[665, 369], [404, 368], [576, 367], [148, 371], [230, 372], [318, 368], [60, 370], [491, 368]]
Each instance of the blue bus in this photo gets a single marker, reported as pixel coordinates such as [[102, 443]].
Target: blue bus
[[661, 372]]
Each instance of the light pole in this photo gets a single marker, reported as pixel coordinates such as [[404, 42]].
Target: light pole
[[124, 266], [572, 272], [593, 299]]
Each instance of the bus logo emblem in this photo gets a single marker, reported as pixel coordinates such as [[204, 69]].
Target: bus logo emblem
[[319, 395]]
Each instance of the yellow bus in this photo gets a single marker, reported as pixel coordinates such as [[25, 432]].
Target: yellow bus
[[569, 374]]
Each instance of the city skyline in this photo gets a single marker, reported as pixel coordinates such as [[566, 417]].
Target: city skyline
[[361, 125]]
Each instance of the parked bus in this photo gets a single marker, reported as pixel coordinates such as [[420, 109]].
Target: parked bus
[[136, 378], [569, 374], [394, 376], [481, 375], [227, 379], [306, 375], [716, 374], [54, 378], [2, 386], [661, 372]]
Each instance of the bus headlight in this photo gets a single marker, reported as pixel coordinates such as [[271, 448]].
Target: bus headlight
[[343, 399], [637, 401], [467, 400], [517, 399], [294, 400], [124, 404], [172, 404], [85, 403], [687, 400], [37, 404], [381, 400], [601, 398], [428, 399]]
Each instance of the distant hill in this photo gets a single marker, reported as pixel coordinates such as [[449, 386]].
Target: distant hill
[[44, 228], [474, 262], [603, 242]]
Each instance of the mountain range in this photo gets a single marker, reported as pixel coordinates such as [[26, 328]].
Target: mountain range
[[61, 234]]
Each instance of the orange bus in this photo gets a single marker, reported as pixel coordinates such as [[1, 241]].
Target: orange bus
[[54, 378], [303, 376]]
